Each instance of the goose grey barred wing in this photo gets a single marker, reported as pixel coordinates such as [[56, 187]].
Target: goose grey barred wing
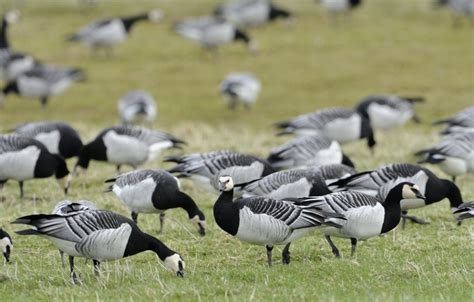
[[66, 206], [134, 177], [32, 129], [340, 202], [299, 150], [194, 28], [12, 142], [147, 136], [464, 118], [460, 145], [89, 30], [196, 157], [273, 181], [53, 74], [316, 120], [335, 171]]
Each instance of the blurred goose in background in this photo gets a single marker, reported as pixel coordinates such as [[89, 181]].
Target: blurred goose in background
[[307, 151], [465, 211], [126, 145], [58, 137], [332, 172], [461, 122], [108, 33], [246, 13], [136, 106], [212, 32], [458, 7], [6, 244], [42, 82], [337, 7], [241, 88], [24, 158], [454, 154], [340, 124], [155, 191], [388, 111]]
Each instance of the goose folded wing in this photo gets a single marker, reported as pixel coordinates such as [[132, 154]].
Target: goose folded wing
[[274, 181]]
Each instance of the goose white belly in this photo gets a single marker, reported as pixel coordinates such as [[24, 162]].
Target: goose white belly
[[123, 149], [19, 165], [344, 130], [454, 166], [33, 87], [109, 35], [332, 155], [252, 16], [60, 86], [157, 148], [336, 5], [68, 247], [217, 35], [300, 188], [50, 140], [138, 197], [385, 117]]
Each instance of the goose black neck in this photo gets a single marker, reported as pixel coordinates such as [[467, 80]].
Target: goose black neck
[[276, 13], [226, 212], [189, 205], [140, 242], [130, 21], [93, 150], [61, 168], [158, 247], [452, 192], [11, 87], [3, 34], [392, 208], [241, 36]]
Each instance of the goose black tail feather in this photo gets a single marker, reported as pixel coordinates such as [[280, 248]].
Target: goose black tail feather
[[344, 181], [110, 180], [173, 159]]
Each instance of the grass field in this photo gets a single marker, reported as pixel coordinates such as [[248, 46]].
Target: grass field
[[386, 46]]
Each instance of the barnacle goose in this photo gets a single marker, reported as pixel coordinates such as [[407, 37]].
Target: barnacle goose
[[6, 244], [136, 106], [205, 173], [126, 145], [240, 87], [335, 7], [98, 235], [58, 137], [42, 82], [23, 158], [365, 215], [331, 173], [212, 32], [463, 121], [338, 123], [388, 111], [110, 32], [266, 221], [306, 151], [465, 211], [155, 191], [246, 13], [378, 183], [454, 154]]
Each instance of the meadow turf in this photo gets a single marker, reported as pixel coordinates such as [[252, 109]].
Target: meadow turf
[[404, 47]]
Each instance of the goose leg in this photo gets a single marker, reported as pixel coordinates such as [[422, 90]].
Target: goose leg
[[61, 253], [414, 219], [269, 255], [353, 246], [73, 273], [21, 189], [135, 217], [335, 251], [454, 179], [162, 220], [96, 267], [286, 254], [118, 168]]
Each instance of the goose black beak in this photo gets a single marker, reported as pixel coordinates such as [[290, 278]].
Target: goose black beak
[[180, 274], [202, 231], [420, 196]]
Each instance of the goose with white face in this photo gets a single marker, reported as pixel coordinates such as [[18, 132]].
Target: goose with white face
[[175, 264], [226, 183]]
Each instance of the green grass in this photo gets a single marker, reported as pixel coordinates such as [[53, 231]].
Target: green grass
[[402, 47]]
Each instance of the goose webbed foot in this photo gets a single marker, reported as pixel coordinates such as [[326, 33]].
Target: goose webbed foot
[[269, 255], [286, 254], [353, 246], [162, 220], [96, 267], [74, 278], [413, 219], [335, 251]]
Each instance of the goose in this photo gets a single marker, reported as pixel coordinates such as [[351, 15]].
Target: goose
[[6, 244], [239, 87], [266, 221], [340, 124], [365, 216], [454, 154], [155, 191], [58, 137], [126, 145], [205, 173], [388, 111], [332, 172], [212, 32], [287, 184], [337, 7], [246, 13], [99, 235], [465, 211], [108, 33], [135, 106], [458, 7], [378, 183], [305, 151], [461, 122], [42, 82], [24, 158]]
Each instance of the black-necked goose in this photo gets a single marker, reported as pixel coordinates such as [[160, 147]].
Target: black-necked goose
[[307, 151], [265, 221], [110, 32], [251, 12], [98, 235], [126, 145], [461, 122], [212, 32], [136, 106], [6, 244], [379, 182], [239, 87], [333, 172], [338, 6], [58, 137], [340, 124], [155, 191], [388, 111], [365, 216], [42, 82], [454, 154], [23, 158], [465, 211]]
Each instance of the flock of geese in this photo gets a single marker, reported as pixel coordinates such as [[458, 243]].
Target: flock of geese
[[305, 184]]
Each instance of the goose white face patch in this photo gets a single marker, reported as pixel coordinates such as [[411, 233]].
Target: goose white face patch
[[4, 242], [175, 263]]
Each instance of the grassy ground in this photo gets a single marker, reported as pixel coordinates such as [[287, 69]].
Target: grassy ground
[[402, 47]]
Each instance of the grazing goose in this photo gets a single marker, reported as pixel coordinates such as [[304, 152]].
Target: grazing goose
[[206, 172], [465, 211], [339, 124], [388, 111], [98, 235], [108, 33], [365, 216], [454, 154], [306, 151], [212, 32], [23, 158], [461, 122], [240, 88], [136, 106], [155, 191], [245, 13], [331, 173], [126, 145], [265, 221], [379, 182], [6, 244], [58, 137], [42, 82]]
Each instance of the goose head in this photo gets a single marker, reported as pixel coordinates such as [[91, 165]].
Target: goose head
[[411, 191], [6, 247], [226, 183], [199, 221], [175, 264]]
